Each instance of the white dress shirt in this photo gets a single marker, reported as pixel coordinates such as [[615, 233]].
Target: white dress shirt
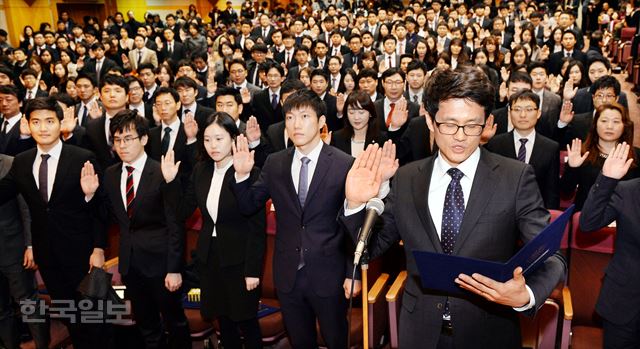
[[52, 166], [531, 139], [139, 108], [213, 197], [83, 107], [337, 81], [192, 109], [296, 164], [31, 94], [12, 121], [175, 126], [138, 167]]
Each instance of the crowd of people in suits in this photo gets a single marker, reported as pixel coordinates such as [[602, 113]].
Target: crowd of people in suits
[[318, 109]]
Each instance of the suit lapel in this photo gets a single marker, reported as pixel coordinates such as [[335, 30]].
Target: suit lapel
[[420, 185], [481, 192], [143, 186], [61, 172], [286, 173], [536, 152], [204, 181], [324, 163], [510, 146]]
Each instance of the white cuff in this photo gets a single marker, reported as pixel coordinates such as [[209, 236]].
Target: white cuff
[[191, 141], [562, 124], [241, 179], [350, 211], [254, 144], [532, 301], [384, 190]]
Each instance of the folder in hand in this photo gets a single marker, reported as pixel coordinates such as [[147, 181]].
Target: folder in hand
[[438, 271]]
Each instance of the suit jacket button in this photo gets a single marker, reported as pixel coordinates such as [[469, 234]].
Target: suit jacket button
[[439, 306], [297, 249]]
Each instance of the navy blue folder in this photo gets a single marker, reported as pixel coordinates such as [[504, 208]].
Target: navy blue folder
[[438, 271]]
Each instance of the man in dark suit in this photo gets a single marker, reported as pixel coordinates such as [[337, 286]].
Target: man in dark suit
[[67, 225], [136, 91], [404, 45], [277, 133], [302, 59], [320, 86], [287, 55], [597, 68], [452, 203], [354, 56], [393, 81], [30, 84], [414, 143], [151, 240], [523, 143], [11, 140], [613, 201], [311, 271], [171, 49], [518, 81], [87, 87], [171, 23], [538, 28], [187, 89], [550, 103], [264, 30], [266, 105], [321, 59], [499, 31], [99, 65], [336, 48], [569, 49], [16, 270], [96, 136]]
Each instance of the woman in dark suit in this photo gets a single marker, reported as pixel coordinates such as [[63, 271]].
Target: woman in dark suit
[[230, 248], [611, 125], [360, 125]]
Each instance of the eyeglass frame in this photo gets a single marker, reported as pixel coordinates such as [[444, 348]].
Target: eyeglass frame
[[458, 127], [123, 141]]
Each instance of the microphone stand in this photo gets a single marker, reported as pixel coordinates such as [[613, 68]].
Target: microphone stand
[[364, 266]]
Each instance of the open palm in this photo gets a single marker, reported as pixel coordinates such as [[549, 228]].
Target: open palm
[[364, 178]]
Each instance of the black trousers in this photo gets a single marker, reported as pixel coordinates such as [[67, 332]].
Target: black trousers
[[62, 284], [17, 285], [625, 336], [302, 306], [230, 332], [149, 299]]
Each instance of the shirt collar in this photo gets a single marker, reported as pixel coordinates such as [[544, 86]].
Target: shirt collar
[[468, 167], [192, 107], [138, 164], [175, 125], [313, 155], [222, 170], [277, 91], [54, 152], [242, 85], [530, 138]]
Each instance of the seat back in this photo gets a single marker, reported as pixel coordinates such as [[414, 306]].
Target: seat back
[[564, 243], [268, 288], [590, 254], [394, 297], [378, 311], [540, 331], [626, 34]]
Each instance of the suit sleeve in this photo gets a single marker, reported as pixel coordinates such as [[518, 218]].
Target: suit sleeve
[[25, 216], [8, 186], [170, 196], [603, 203], [99, 209], [256, 240], [532, 218], [552, 182], [252, 197]]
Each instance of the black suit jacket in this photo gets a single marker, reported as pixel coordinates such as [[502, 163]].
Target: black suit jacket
[[413, 143], [501, 118], [545, 159], [340, 140], [11, 143], [498, 214], [577, 128], [262, 110], [201, 115], [349, 60], [275, 136], [413, 108], [551, 106], [612, 200], [241, 239], [186, 153], [178, 52], [15, 224], [93, 137], [333, 123], [583, 100], [90, 67], [67, 228], [151, 239], [554, 64], [257, 32], [313, 229]]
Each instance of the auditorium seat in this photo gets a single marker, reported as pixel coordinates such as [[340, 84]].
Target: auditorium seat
[[394, 298], [540, 332], [590, 254], [378, 312]]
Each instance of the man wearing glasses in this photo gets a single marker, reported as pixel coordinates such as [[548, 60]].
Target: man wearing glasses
[[463, 201], [605, 90]]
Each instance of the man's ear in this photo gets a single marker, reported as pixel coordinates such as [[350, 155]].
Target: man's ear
[[430, 123], [144, 140], [322, 120]]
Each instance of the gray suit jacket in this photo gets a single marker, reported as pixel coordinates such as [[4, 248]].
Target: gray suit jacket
[[15, 223], [551, 105], [503, 208]]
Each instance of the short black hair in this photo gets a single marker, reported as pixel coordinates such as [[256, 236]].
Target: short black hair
[[64, 98], [88, 76], [43, 103], [238, 61], [392, 71], [131, 79], [466, 82], [417, 64], [536, 65], [606, 81], [305, 98], [368, 73], [128, 120], [273, 65], [10, 90], [229, 91], [319, 72], [6, 71], [144, 66], [517, 76], [166, 90], [291, 85], [525, 94], [111, 79], [28, 72], [601, 59], [185, 81]]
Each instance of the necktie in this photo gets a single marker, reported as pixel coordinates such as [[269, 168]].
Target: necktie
[[184, 113], [139, 57], [29, 94], [568, 54], [274, 101], [131, 195], [354, 60], [415, 98], [264, 33], [170, 48], [401, 48], [522, 151], [335, 51], [452, 215], [5, 127], [166, 139], [333, 84], [389, 116], [98, 67], [302, 195], [390, 64], [43, 178], [286, 61], [145, 96], [85, 112]]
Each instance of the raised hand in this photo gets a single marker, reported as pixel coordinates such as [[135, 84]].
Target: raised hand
[[253, 130], [190, 127], [68, 121], [80, 64], [95, 112], [364, 178], [242, 158], [42, 85], [400, 114], [489, 130], [388, 163], [575, 156], [24, 127], [503, 90], [340, 98], [89, 179], [569, 91], [169, 167], [246, 95], [553, 83], [212, 85], [617, 163], [566, 113], [53, 90], [544, 53]]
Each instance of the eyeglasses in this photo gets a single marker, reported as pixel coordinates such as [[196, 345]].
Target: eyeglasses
[[600, 96], [394, 83], [123, 141], [528, 110], [451, 129]]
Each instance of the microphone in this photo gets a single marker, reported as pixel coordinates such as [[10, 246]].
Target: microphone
[[374, 207]]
